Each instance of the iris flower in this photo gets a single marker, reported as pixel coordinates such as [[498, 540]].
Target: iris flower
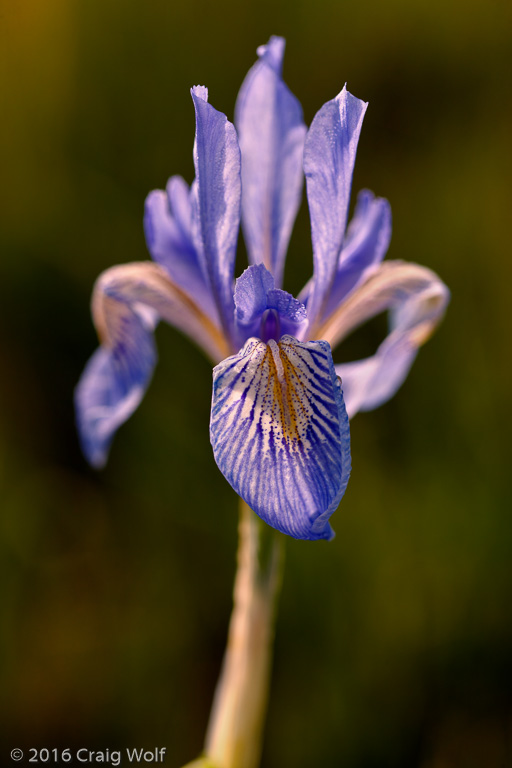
[[280, 406]]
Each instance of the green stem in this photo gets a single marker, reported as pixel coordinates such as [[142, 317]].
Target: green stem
[[233, 739]]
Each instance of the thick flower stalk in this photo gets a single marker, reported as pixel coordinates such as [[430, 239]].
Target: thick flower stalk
[[279, 420]]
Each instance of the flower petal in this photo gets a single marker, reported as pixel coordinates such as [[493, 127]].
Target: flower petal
[[329, 157], [280, 433], [251, 291], [217, 164], [178, 193], [292, 313], [371, 382], [255, 294], [168, 230], [365, 245], [417, 299], [271, 133], [109, 391], [128, 301]]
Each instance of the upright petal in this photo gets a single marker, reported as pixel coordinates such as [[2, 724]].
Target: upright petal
[[417, 299], [280, 433], [271, 133], [127, 303], [169, 237], [254, 296], [329, 157], [217, 164], [365, 245], [251, 292]]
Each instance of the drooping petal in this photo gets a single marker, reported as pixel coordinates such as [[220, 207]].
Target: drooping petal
[[329, 157], [417, 299], [371, 382], [169, 237], [280, 433], [109, 391], [271, 133], [218, 193], [128, 301]]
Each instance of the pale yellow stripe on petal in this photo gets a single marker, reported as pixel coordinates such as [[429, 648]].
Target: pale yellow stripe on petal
[[147, 286], [391, 285]]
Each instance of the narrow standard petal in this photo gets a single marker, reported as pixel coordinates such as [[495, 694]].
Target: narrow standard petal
[[365, 245], [128, 301], [417, 300], [271, 133], [168, 230], [329, 157], [218, 194], [280, 433]]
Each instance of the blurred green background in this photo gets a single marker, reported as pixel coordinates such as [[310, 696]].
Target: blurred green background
[[393, 642]]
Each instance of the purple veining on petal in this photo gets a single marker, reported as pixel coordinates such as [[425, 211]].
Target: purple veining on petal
[[271, 133], [279, 425], [217, 165], [329, 157]]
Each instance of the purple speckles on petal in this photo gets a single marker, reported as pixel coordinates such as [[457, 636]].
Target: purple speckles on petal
[[279, 424], [280, 433]]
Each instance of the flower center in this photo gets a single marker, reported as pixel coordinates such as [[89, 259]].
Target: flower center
[[270, 327]]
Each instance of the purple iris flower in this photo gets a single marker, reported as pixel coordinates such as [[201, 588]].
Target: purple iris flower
[[279, 420]]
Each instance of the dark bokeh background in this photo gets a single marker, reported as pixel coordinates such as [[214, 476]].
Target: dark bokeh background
[[394, 642]]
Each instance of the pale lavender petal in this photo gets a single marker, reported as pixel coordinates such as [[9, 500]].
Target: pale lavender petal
[[365, 246], [416, 299], [218, 185], [329, 157], [178, 193], [271, 133], [110, 389], [280, 433], [196, 230], [371, 382], [169, 237], [127, 303]]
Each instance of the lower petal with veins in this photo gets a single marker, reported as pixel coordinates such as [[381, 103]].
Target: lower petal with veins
[[280, 434]]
